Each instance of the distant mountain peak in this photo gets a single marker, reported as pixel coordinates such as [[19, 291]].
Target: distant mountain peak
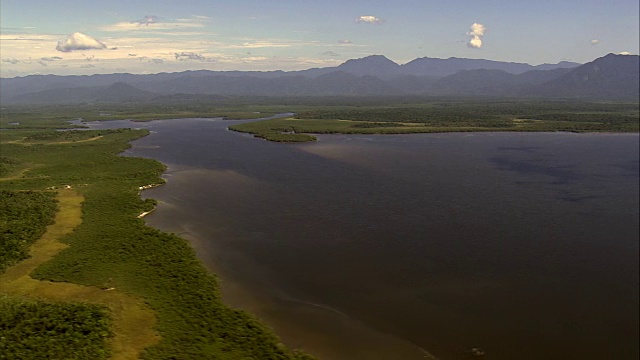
[[610, 76], [377, 65], [377, 59]]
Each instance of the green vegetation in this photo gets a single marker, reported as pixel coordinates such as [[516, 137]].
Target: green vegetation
[[108, 247], [132, 321], [68, 136], [56, 116], [112, 248], [23, 218], [9, 166], [32, 329], [449, 116]]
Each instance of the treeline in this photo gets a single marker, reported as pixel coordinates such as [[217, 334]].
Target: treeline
[[601, 117], [34, 329], [24, 216], [499, 115], [71, 135], [399, 114]]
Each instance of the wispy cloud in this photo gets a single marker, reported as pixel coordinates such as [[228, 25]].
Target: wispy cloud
[[11, 61], [260, 44], [51, 58], [594, 42], [79, 41], [149, 19], [151, 60], [476, 33], [23, 37], [186, 56], [345, 42], [369, 19], [151, 22], [141, 52]]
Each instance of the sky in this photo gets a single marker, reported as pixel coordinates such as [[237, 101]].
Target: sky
[[72, 37]]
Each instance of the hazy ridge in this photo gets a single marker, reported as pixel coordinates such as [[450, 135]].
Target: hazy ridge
[[608, 77]]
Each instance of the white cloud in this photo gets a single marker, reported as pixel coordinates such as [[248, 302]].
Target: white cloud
[[475, 42], [79, 41], [330, 53], [624, 53], [594, 41], [344, 42], [369, 19], [476, 33]]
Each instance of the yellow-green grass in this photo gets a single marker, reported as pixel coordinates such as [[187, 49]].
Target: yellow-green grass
[[132, 320]]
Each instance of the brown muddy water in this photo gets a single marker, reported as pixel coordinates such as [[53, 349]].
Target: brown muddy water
[[401, 246]]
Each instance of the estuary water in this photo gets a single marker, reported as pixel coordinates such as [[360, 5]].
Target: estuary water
[[410, 246]]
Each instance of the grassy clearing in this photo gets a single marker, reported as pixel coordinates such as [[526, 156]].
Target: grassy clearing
[[23, 218], [132, 320]]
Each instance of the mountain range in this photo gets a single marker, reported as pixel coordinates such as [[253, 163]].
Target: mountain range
[[608, 77]]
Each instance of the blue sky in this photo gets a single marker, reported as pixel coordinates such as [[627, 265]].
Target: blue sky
[[142, 36]]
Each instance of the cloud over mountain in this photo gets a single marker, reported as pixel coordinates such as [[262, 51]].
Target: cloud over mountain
[[476, 33], [79, 41]]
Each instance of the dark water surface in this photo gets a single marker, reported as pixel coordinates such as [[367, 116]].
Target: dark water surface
[[385, 247]]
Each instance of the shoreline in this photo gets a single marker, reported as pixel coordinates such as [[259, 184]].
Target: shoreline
[[114, 250], [146, 213], [315, 328], [225, 279]]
